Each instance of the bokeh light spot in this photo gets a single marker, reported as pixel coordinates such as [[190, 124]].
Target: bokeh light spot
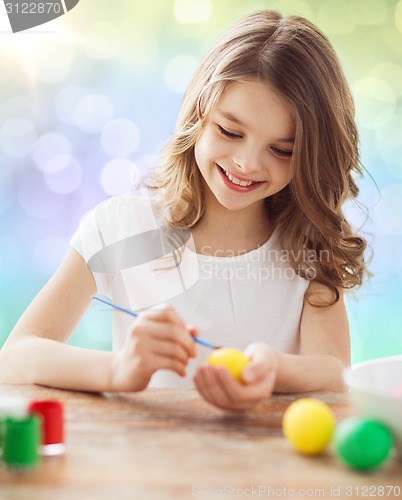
[[66, 102], [17, 137], [142, 53], [339, 18], [34, 197], [18, 107], [292, 7], [192, 11], [375, 102], [179, 71], [65, 176], [49, 145], [92, 112], [118, 176], [390, 73], [120, 137], [147, 162], [370, 12], [103, 41], [54, 61]]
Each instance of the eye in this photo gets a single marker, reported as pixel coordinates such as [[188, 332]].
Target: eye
[[226, 133], [282, 152]]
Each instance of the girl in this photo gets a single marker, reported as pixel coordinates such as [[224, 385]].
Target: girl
[[252, 185]]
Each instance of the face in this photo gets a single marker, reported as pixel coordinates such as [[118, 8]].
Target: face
[[245, 148]]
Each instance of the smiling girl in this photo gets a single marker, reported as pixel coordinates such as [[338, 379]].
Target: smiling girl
[[257, 172]]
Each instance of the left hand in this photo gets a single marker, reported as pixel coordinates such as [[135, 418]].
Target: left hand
[[220, 388]]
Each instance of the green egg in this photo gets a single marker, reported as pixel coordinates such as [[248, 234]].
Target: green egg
[[363, 444]]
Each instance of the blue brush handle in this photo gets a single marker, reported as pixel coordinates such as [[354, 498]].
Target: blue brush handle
[[107, 301], [205, 343]]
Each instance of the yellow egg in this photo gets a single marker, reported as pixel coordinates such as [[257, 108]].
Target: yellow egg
[[309, 425], [232, 359]]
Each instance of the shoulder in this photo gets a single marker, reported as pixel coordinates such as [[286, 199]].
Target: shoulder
[[321, 295], [125, 205], [128, 213], [113, 219]]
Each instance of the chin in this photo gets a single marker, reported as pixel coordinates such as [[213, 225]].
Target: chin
[[236, 205]]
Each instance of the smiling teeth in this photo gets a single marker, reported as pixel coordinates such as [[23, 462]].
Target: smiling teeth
[[237, 181]]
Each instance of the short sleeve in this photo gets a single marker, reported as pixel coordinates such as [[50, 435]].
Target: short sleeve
[[88, 241], [130, 254]]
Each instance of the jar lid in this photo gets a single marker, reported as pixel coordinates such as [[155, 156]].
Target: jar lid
[[13, 406]]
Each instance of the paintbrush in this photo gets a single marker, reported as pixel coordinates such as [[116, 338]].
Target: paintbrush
[[107, 301]]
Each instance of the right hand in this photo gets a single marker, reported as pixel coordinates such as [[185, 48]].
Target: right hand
[[157, 340]]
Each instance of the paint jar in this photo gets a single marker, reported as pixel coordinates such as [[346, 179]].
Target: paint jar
[[52, 415], [22, 438], [11, 406]]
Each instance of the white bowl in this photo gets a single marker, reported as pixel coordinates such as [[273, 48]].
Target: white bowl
[[373, 385]]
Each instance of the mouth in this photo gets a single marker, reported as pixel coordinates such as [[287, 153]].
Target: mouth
[[238, 184]]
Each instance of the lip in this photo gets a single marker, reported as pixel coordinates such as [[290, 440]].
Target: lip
[[235, 187]]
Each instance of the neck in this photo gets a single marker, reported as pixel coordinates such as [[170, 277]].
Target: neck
[[231, 231]]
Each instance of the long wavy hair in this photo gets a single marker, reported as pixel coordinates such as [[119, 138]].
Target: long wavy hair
[[298, 61]]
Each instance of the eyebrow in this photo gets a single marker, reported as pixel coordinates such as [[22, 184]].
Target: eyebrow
[[234, 119]]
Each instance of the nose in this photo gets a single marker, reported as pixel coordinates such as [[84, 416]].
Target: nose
[[249, 159]]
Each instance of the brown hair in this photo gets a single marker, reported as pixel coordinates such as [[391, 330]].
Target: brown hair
[[297, 60]]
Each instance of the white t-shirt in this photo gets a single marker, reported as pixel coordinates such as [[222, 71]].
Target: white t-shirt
[[233, 301]]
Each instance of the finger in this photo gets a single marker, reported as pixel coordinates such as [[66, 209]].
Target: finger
[[224, 391], [160, 362], [205, 381], [169, 315], [263, 359], [165, 313], [199, 380], [200, 385], [162, 331], [212, 397], [179, 335], [258, 350], [255, 371], [214, 387], [233, 389], [192, 330], [169, 349], [243, 396]]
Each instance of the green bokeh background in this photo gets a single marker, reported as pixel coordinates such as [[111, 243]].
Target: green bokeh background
[[136, 59]]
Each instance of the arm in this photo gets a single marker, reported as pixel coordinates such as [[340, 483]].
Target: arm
[[325, 348], [36, 353], [325, 351]]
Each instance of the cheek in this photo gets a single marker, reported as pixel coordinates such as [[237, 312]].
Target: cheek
[[199, 153], [204, 147], [289, 174], [282, 174]]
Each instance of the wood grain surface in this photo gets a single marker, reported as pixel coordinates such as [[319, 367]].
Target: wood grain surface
[[170, 444]]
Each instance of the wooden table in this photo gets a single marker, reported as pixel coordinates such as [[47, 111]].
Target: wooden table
[[170, 444]]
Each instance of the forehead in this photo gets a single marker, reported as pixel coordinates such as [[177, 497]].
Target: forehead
[[255, 103]]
